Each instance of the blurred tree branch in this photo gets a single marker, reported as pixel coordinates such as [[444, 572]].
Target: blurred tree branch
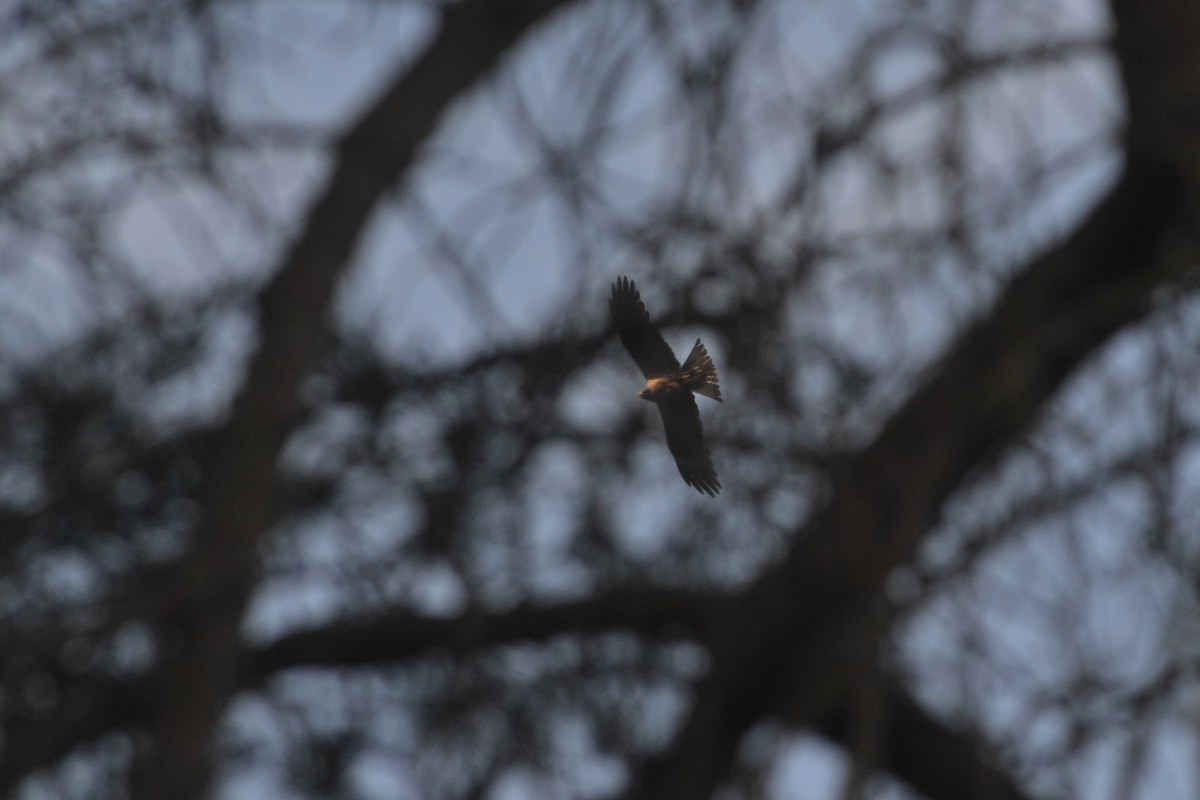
[[218, 575]]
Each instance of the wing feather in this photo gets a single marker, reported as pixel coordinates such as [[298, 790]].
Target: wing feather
[[642, 339], [685, 439]]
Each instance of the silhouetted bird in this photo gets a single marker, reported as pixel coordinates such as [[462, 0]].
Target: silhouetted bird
[[669, 385]]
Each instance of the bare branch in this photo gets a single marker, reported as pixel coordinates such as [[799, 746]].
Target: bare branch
[[239, 500]]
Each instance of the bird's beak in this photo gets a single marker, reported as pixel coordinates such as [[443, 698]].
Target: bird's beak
[[644, 394]]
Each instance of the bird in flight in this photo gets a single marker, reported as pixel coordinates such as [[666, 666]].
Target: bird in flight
[[669, 385]]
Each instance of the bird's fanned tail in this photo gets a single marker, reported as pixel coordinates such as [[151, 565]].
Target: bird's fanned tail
[[699, 374]]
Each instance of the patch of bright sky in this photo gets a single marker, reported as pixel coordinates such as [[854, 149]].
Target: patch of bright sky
[[1082, 573], [309, 65], [1002, 23], [1056, 598], [1124, 385], [888, 302], [591, 402], [315, 62], [807, 768], [519, 264], [640, 519], [488, 199], [28, 322], [375, 774], [1168, 772], [1185, 488]]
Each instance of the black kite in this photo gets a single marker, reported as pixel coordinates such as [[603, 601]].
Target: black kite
[[669, 385]]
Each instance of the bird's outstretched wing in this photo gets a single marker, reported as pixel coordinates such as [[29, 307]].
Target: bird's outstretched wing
[[643, 341], [685, 438]]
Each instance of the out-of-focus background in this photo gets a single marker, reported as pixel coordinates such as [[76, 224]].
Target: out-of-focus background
[[322, 473]]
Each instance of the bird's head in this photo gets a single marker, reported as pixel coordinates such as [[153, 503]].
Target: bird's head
[[656, 389]]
